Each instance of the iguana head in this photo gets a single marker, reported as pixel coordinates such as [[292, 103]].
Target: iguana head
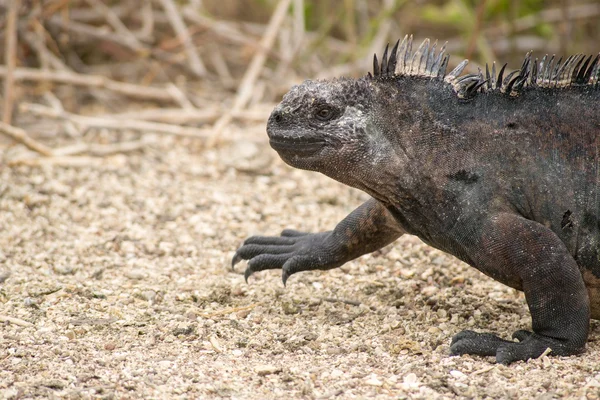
[[322, 125]]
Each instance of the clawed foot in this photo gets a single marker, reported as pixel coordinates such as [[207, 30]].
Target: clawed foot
[[293, 252], [529, 345]]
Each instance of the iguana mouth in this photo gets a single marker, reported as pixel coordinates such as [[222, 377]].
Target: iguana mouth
[[304, 147]]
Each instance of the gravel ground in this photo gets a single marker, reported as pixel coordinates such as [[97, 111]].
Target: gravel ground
[[115, 283]]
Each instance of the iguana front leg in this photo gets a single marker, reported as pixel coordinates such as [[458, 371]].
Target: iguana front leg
[[366, 229], [525, 253]]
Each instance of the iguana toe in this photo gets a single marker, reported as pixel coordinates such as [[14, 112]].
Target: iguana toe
[[263, 262], [236, 259], [521, 335], [482, 344]]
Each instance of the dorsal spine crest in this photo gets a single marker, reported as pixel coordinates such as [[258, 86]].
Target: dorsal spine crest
[[546, 73]]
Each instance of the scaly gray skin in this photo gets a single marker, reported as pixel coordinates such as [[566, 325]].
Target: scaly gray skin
[[507, 183]]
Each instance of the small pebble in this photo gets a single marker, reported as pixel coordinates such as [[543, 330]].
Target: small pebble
[[64, 269], [4, 274], [457, 374], [263, 370], [373, 381], [135, 274], [429, 291]]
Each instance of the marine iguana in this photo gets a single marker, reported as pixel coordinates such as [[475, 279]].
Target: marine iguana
[[503, 172]]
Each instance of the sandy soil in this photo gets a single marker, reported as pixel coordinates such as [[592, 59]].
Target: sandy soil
[[116, 284]]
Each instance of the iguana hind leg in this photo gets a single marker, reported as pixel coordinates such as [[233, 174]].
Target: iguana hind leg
[[514, 249]]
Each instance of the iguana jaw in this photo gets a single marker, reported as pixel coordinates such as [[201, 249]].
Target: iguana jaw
[[299, 147]]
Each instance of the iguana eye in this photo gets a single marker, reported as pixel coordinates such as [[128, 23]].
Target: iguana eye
[[324, 113]]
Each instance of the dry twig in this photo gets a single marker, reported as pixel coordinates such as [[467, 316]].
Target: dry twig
[[179, 27], [344, 301], [245, 89], [114, 20], [21, 136], [10, 58], [36, 42], [87, 122], [13, 320], [99, 34], [100, 150], [187, 116], [73, 78], [228, 311], [66, 161], [56, 104]]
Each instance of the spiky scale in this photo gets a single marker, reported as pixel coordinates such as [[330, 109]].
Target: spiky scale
[[488, 78], [393, 59], [534, 73], [548, 70], [561, 72], [442, 70], [415, 64], [456, 71], [500, 75], [542, 70], [466, 78], [582, 71], [518, 85], [474, 87], [575, 68], [508, 82], [430, 59], [438, 61], [407, 53], [554, 75], [424, 52], [594, 69], [384, 61], [493, 81], [375, 66], [400, 66], [525, 65]]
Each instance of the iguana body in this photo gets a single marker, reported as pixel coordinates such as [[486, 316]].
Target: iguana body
[[503, 173]]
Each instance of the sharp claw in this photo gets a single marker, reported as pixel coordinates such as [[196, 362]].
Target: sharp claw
[[284, 277], [236, 259], [521, 335], [247, 274]]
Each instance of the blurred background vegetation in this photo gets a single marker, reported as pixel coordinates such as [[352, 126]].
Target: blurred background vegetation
[[212, 63]]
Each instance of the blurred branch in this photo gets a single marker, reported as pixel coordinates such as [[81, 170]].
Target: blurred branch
[[10, 58], [100, 150], [99, 34], [21, 136], [476, 29], [87, 122], [186, 116], [73, 78], [245, 88], [63, 161], [46, 57], [114, 21], [179, 27], [551, 15]]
